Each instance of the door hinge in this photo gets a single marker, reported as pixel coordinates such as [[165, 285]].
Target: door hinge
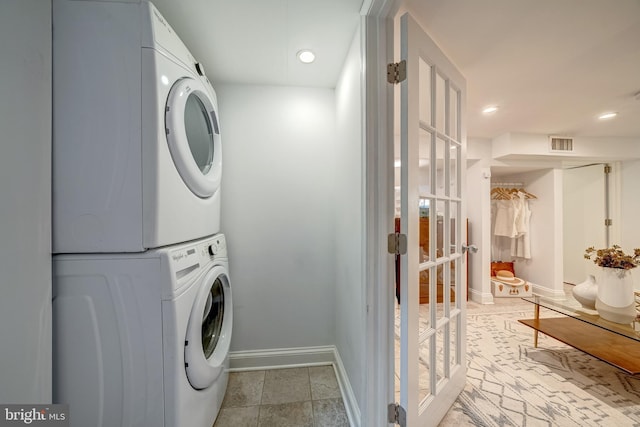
[[397, 72], [607, 169], [397, 414], [608, 222], [397, 243]]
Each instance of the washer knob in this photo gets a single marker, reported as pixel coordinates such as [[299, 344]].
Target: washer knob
[[213, 249]]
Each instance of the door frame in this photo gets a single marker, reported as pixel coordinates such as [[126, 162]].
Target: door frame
[[379, 195]]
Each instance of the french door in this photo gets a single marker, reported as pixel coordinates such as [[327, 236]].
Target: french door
[[432, 313]]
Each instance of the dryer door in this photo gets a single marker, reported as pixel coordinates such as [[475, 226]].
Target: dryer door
[[209, 329], [193, 135]]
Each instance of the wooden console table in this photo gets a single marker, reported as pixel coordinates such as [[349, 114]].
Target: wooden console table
[[583, 329]]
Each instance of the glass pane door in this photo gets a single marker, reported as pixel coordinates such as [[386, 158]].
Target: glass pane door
[[432, 299]]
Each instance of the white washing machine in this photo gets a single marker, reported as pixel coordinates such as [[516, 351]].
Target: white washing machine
[[143, 339], [137, 156]]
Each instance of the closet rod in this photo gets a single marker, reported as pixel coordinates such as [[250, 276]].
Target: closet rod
[[585, 166], [507, 184]]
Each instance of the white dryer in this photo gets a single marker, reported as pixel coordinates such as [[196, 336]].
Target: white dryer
[[143, 339], [137, 156]]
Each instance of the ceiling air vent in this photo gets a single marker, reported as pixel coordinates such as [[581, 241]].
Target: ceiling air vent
[[561, 144]]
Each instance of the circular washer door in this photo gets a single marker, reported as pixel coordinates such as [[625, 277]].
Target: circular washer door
[[209, 330], [193, 135]]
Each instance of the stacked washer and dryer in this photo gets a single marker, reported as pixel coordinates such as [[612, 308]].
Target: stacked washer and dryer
[[141, 291]]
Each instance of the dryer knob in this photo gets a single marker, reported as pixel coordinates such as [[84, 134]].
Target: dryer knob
[[213, 249]]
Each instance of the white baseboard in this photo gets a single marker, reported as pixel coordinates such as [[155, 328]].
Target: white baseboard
[[280, 358], [557, 294], [349, 398], [481, 297]]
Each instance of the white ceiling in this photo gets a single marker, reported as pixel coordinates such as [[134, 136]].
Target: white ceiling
[[256, 41], [551, 65]]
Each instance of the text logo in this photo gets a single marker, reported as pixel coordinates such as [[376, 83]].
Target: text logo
[[35, 415]]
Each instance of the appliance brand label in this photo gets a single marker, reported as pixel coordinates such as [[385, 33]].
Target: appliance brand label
[[177, 256], [34, 415], [161, 20], [159, 17]]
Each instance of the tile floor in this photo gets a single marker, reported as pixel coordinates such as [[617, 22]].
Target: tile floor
[[292, 397]]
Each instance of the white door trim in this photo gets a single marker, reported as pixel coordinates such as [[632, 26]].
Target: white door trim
[[378, 116]]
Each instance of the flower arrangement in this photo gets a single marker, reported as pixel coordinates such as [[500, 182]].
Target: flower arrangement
[[613, 257]]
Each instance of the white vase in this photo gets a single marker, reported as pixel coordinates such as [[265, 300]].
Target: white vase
[[616, 300], [624, 315], [586, 292]]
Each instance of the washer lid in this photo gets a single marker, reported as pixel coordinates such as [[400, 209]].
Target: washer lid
[[193, 135], [209, 330]]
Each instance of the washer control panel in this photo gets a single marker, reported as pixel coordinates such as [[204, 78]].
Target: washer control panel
[[189, 258], [217, 247]]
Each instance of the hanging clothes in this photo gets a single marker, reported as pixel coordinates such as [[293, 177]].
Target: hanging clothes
[[505, 218], [511, 218], [521, 242]]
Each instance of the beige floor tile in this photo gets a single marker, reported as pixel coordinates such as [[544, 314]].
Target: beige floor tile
[[238, 417], [296, 414], [244, 389], [283, 398], [324, 384], [329, 413], [286, 385]]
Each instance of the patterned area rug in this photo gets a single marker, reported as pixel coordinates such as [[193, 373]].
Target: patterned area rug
[[511, 383]]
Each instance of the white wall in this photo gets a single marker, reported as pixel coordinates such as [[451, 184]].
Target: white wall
[[630, 205], [277, 212], [349, 215], [544, 269], [25, 210], [599, 148], [479, 214], [584, 215], [629, 211]]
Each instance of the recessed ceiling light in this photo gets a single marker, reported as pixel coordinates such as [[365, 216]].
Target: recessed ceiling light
[[606, 116], [306, 56], [490, 109]]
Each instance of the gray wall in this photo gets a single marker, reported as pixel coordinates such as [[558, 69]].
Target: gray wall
[[278, 213], [292, 210], [25, 210], [349, 214]]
